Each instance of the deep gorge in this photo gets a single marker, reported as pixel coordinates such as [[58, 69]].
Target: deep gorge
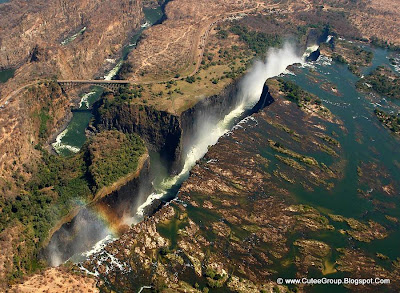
[[165, 134], [179, 140]]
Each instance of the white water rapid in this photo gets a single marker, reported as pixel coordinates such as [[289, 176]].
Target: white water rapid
[[209, 129]]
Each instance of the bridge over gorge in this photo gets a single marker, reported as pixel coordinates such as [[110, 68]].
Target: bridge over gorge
[[112, 85]]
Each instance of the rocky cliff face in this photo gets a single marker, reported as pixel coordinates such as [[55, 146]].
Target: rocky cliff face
[[33, 38], [213, 106], [164, 132], [31, 28], [71, 237], [223, 233], [160, 130], [25, 123], [67, 39], [238, 224]]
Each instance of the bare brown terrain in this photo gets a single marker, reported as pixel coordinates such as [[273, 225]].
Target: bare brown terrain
[[177, 45], [31, 39], [19, 130], [58, 281], [380, 18], [35, 31]]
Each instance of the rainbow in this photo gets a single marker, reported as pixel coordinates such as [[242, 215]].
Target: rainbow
[[111, 218]]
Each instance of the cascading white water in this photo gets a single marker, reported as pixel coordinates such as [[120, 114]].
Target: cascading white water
[[73, 37], [113, 72], [85, 99], [58, 145], [208, 130]]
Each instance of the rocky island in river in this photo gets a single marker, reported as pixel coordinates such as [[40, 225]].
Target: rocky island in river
[[179, 146]]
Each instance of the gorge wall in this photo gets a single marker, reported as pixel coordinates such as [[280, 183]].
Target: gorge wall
[[31, 28], [31, 36], [25, 123], [159, 129], [104, 216], [168, 134]]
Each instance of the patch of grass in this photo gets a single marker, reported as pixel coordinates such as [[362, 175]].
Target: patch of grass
[[329, 139], [258, 42], [58, 183], [281, 149], [290, 162], [43, 118], [390, 121], [383, 81], [113, 155], [286, 129]]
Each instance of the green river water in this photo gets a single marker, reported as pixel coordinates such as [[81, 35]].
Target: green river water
[[6, 74], [73, 137], [366, 140]]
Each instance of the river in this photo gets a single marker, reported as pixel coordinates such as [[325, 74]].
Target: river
[[71, 139], [6, 74], [353, 108], [368, 159], [366, 141], [89, 226]]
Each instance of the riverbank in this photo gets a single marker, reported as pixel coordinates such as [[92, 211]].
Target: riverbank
[[99, 196], [329, 216]]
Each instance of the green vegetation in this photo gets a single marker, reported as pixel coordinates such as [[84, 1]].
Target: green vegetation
[[286, 129], [382, 80], [58, 183], [283, 176], [290, 162], [222, 34], [215, 279], [43, 118], [302, 30], [339, 58], [359, 57], [125, 69], [107, 164], [384, 44], [390, 121], [327, 149], [281, 149], [257, 42], [190, 79], [329, 140], [124, 94], [47, 198], [44, 108], [303, 99], [295, 93], [351, 54]]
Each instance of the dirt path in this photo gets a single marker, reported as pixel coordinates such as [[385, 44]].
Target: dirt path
[[202, 38], [204, 33], [5, 100], [199, 46]]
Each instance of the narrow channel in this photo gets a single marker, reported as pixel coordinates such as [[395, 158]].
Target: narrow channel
[[72, 138], [89, 230]]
